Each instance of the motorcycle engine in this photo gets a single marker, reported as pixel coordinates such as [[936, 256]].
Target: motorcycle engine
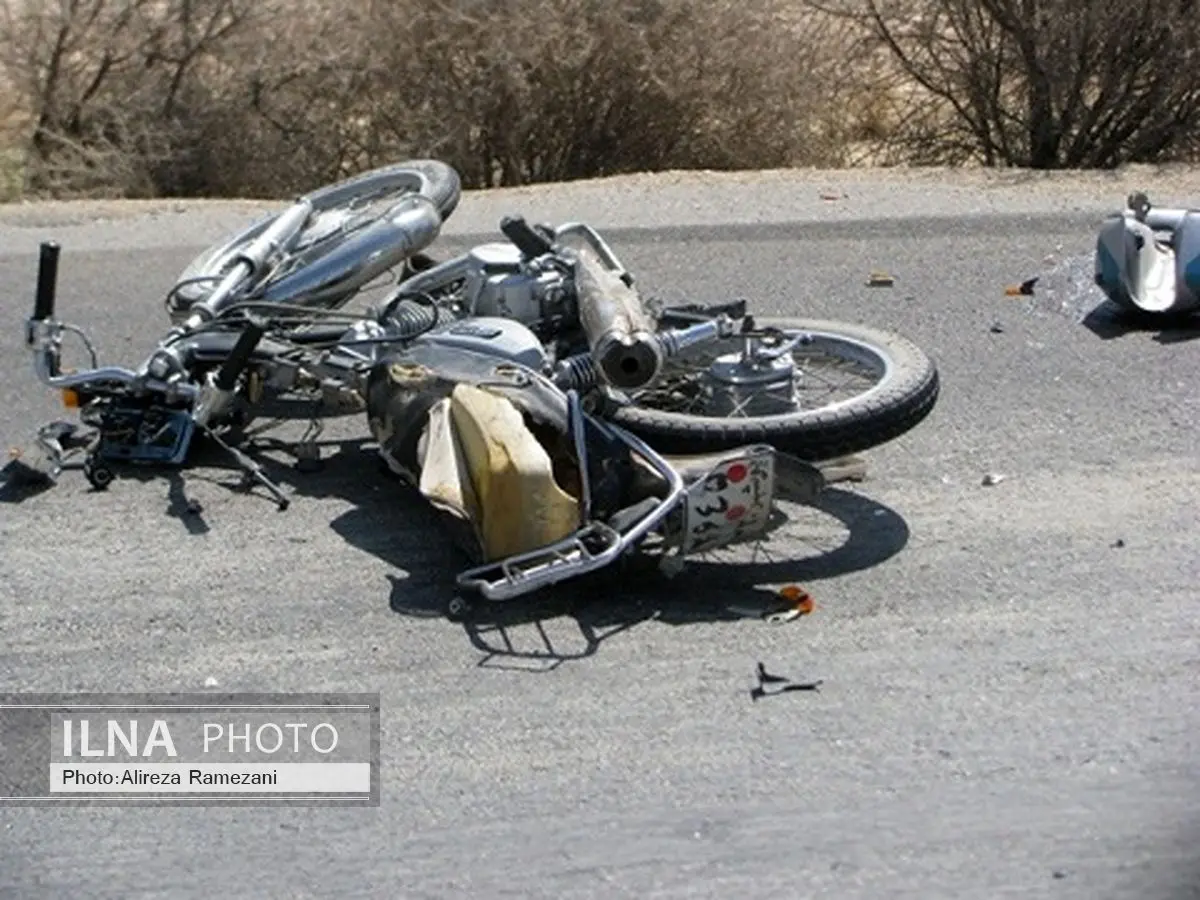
[[500, 283]]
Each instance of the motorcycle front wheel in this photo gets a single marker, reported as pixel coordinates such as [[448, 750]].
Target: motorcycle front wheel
[[339, 209], [815, 389]]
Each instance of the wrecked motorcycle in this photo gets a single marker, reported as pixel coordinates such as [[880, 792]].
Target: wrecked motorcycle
[[1148, 258], [556, 417]]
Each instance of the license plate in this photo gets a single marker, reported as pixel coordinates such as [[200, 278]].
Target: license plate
[[732, 502]]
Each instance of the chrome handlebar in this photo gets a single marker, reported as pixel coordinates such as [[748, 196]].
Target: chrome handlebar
[[43, 332]]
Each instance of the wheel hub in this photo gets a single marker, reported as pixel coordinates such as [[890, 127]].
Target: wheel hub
[[751, 383]]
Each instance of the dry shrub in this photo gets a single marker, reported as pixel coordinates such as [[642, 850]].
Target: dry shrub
[[1040, 83], [514, 93], [266, 97], [108, 86]]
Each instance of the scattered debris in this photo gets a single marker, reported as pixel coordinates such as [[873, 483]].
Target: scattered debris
[[41, 461], [997, 328], [991, 479], [844, 468], [1118, 543], [880, 279], [834, 195], [210, 682], [1067, 288], [1024, 289], [759, 692], [792, 603], [799, 598], [782, 616], [764, 678], [19, 473], [781, 684]]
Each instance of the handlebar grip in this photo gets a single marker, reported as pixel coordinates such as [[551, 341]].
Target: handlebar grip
[[47, 280], [527, 240], [246, 344]]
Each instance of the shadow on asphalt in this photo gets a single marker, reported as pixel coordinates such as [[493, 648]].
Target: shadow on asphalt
[[610, 602], [570, 621], [1109, 322], [563, 623]]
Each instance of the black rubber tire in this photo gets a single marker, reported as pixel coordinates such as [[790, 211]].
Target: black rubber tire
[[459, 608], [886, 412], [432, 178]]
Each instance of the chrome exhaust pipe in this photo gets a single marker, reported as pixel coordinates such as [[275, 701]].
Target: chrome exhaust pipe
[[408, 228], [619, 329]]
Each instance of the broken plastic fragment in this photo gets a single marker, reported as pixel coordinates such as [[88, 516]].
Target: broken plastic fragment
[[782, 617], [1024, 289], [880, 279], [800, 599], [799, 603], [782, 684], [765, 677]]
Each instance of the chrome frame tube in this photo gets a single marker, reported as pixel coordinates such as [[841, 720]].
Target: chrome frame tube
[[579, 439]]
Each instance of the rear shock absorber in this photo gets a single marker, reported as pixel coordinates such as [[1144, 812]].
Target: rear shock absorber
[[578, 372]]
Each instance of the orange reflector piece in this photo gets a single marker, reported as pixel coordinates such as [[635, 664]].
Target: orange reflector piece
[[800, 599], [70, 398]]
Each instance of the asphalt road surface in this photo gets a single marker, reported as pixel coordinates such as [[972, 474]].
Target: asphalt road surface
[[1009, 705]]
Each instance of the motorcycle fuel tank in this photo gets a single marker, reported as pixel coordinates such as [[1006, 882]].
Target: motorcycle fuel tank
[[501, 338]]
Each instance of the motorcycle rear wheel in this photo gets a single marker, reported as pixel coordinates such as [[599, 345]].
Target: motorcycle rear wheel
[[691, 409], [432, 178]]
